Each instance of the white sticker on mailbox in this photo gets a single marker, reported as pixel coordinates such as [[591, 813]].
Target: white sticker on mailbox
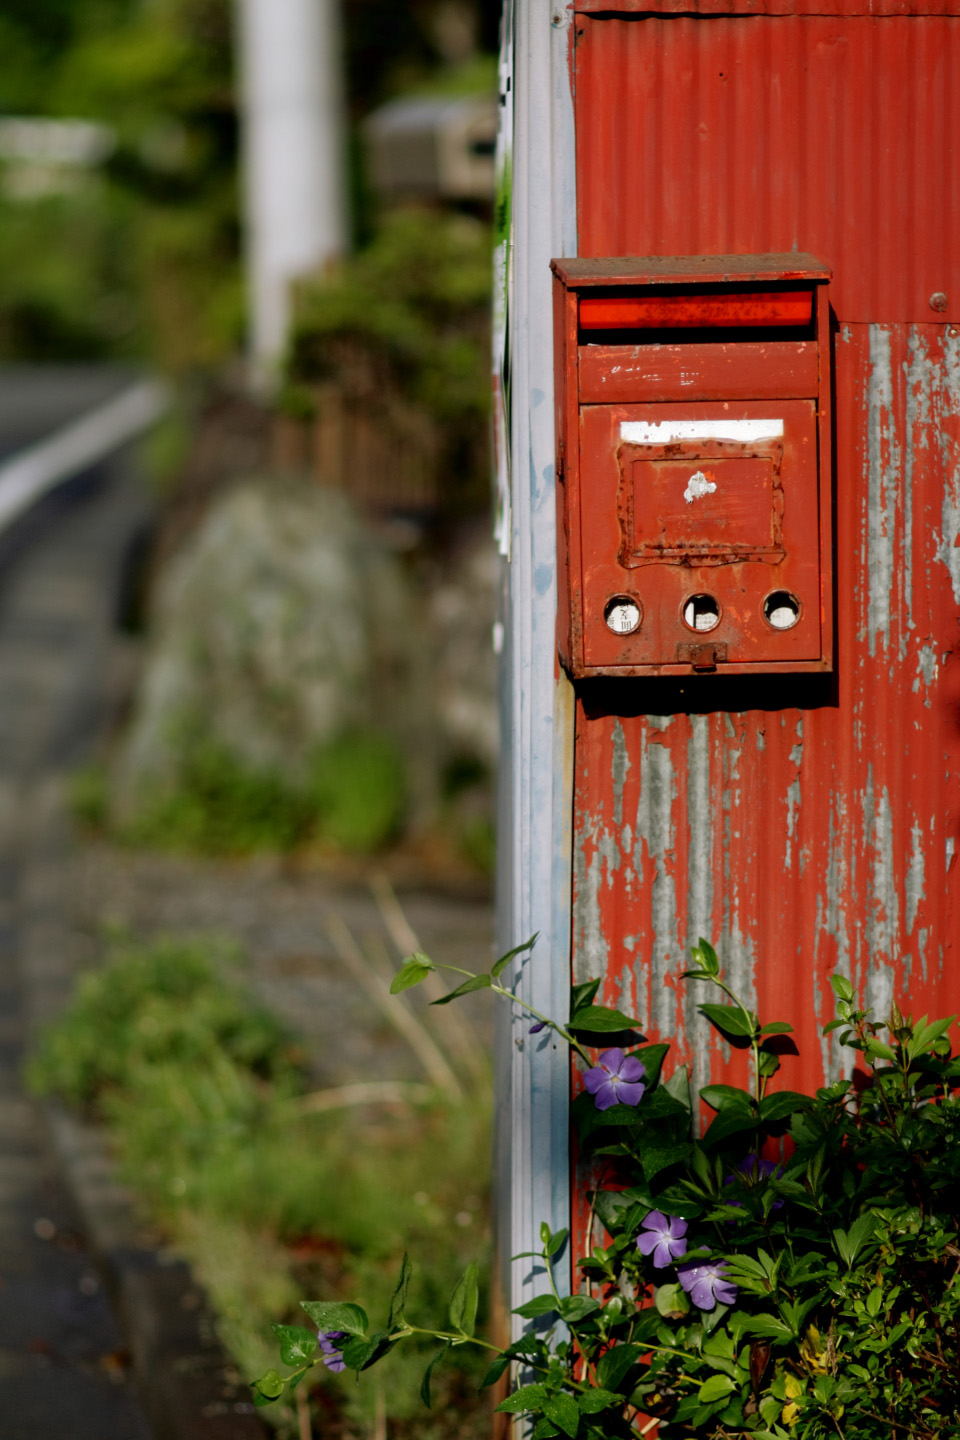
[[665, 432]]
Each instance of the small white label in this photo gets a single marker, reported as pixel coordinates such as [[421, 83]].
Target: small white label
[[622, 615], [698, 485], [665, 432]]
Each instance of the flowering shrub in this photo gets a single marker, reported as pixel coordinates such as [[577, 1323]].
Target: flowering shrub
[[793, 1273]]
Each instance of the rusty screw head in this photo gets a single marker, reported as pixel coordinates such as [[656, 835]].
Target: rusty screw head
[[938, 301]]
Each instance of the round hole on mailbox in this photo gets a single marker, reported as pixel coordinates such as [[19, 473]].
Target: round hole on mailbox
[[622, 614], [701, 613], [781, 610]]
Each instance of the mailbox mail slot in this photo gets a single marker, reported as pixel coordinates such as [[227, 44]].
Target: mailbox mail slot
[[695, 498]]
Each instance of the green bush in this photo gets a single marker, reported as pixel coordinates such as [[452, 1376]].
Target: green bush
[[408, 318], [353, 797], [171, 1003], [357, 786]]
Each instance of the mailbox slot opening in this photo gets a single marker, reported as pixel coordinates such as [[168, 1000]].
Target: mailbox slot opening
[[688, 315]]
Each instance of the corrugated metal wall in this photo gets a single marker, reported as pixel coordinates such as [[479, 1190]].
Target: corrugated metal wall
[[800, 825]]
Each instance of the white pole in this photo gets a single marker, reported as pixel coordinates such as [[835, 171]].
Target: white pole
[[534, 847], [291, 89]]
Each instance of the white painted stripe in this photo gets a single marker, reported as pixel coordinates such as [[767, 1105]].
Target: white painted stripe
[[30, 473], [665, 432]]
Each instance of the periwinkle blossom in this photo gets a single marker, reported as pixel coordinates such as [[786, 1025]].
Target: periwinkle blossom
[[705, 1282], [753, 1170], [617, 1079], [662, 1237], [535, 1029], [329, 1342]]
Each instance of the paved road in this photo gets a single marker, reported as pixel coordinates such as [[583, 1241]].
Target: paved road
[[64, 1373]]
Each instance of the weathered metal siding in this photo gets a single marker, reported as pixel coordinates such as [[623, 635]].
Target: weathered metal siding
[[800, 826], [838, 136]]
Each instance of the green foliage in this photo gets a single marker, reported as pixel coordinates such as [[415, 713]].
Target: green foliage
[[798, 1274], [142, 257], [202, 1091], [357, 788], [408, 319], [353, 798], [153, 1009]]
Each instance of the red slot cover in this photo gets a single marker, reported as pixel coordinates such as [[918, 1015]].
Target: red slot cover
[[628, 312]]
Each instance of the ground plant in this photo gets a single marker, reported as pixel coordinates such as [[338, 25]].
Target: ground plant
[[208, 1102], [792, 1273]]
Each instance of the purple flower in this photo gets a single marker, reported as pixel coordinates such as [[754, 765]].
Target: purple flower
[[616, 1080], [753, 1170], [704, 1282], [535, 1029], [332, 1358], [662, 1237]]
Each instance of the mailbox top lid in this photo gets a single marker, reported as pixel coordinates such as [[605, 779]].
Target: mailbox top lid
[[578, 274]]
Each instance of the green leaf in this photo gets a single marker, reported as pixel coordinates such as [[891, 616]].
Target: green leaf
[[718, 1387], [777, 1027], [399, 1298], [661, 1157], [297, 1343], [577, 1307], [611, 1205], [528, 1397], [563, 1411], [783, 1104], [336, 1315], [926, 1035], [428, 1373], [463, 1301], [552, 1243], [596, 1400], [768, 1063], [359, 1354], [671, 1302], [877, 1050], [414, 969], [495, 1369], [705, 955], [678, 1086], [849, 1243], [727, 1097], [583, 995], [841, 987], [598, 1019], [539, 1305], [767, 1327], [270, 1385], [730, 1019], [615, 1363], [544, 1429], [476, 982], [727, 1123], [504, 960]]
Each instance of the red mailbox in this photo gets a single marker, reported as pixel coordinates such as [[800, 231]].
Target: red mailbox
[[695, 496]]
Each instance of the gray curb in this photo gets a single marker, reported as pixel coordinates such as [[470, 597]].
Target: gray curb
[[182, 1375]]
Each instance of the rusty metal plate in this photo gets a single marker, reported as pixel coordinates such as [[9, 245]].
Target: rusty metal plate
[[708, 520]]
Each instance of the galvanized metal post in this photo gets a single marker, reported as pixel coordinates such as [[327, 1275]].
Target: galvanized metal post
[[537, 699]]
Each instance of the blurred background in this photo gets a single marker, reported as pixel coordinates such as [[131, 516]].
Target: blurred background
[[248, 595]]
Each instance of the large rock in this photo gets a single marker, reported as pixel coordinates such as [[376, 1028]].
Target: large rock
[[280, 624]]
